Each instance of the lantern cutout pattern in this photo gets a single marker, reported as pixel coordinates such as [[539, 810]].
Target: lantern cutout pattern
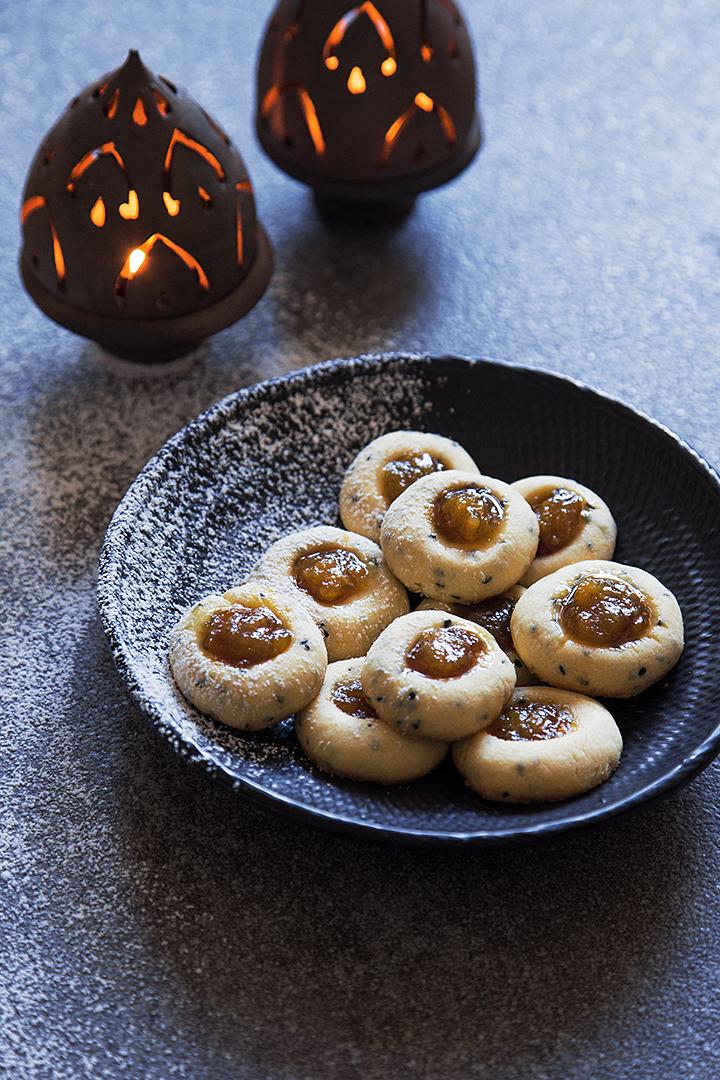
[[138, 220], [371, 103]]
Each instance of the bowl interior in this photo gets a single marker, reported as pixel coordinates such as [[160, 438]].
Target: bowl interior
[[270, 459]]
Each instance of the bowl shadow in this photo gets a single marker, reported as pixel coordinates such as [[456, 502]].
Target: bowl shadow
[[316, 955]]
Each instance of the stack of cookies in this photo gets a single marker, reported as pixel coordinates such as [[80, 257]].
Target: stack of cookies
[[518, 621]]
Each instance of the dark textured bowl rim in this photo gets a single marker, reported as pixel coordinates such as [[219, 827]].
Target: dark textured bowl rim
[[110, 562]]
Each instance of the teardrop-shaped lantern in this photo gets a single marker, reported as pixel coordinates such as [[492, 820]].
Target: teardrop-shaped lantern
[[138, 219], [369, 103]]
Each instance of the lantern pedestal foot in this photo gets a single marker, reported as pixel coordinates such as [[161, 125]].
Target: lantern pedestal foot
[[139, 365], [365, 213]]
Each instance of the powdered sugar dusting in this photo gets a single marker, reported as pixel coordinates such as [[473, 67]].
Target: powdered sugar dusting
[[259, 465]]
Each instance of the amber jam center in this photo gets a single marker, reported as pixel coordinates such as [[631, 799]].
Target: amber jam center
[[532, 721], [493, 615], [604, 611], [561, 514], [350, 698], [331, 575], [445, 652], [399, 474], [469, 516], [243, 636]]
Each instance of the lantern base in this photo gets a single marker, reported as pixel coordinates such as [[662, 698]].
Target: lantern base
[[157, 341], [150, 369], [364, 213], [398, 191]]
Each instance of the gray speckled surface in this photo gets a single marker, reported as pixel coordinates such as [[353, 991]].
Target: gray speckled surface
[[152, 926]]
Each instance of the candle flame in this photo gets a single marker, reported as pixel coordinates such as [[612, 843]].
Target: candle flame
[[138, 256], [389, 66], [135, 260]]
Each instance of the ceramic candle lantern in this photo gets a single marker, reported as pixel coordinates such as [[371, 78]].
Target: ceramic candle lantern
[[369, 104], [138, 219]]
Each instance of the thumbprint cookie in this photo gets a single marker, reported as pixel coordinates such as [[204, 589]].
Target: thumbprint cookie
[[342, 580], [340, 731], [388, 466], [494, 615], [431, 674], [249, 658], [600, 628], [459, 537], [575, 524], [546, 745]]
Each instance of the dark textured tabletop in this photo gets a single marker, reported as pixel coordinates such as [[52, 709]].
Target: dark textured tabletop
[[151, 924]]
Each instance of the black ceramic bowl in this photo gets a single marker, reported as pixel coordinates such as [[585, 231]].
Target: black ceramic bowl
[[270, 459]]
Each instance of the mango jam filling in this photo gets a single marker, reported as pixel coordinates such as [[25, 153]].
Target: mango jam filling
[[561, 514], [493, 615], [469, 516], [243, 636], [604, 611], [331, 575], [445, 652], [524, 720], [349, 697], [397, 475]]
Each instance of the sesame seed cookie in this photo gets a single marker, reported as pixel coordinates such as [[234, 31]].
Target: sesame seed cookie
[[547, 745], [249, 658], [388, 466], [341, 733], [459, 537], [432, 674], [494, 615], [575, 524], [600, 628], [342, 580]]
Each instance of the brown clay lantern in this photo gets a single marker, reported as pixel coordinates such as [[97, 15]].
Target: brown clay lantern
[[369, 104], [138, 218]]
